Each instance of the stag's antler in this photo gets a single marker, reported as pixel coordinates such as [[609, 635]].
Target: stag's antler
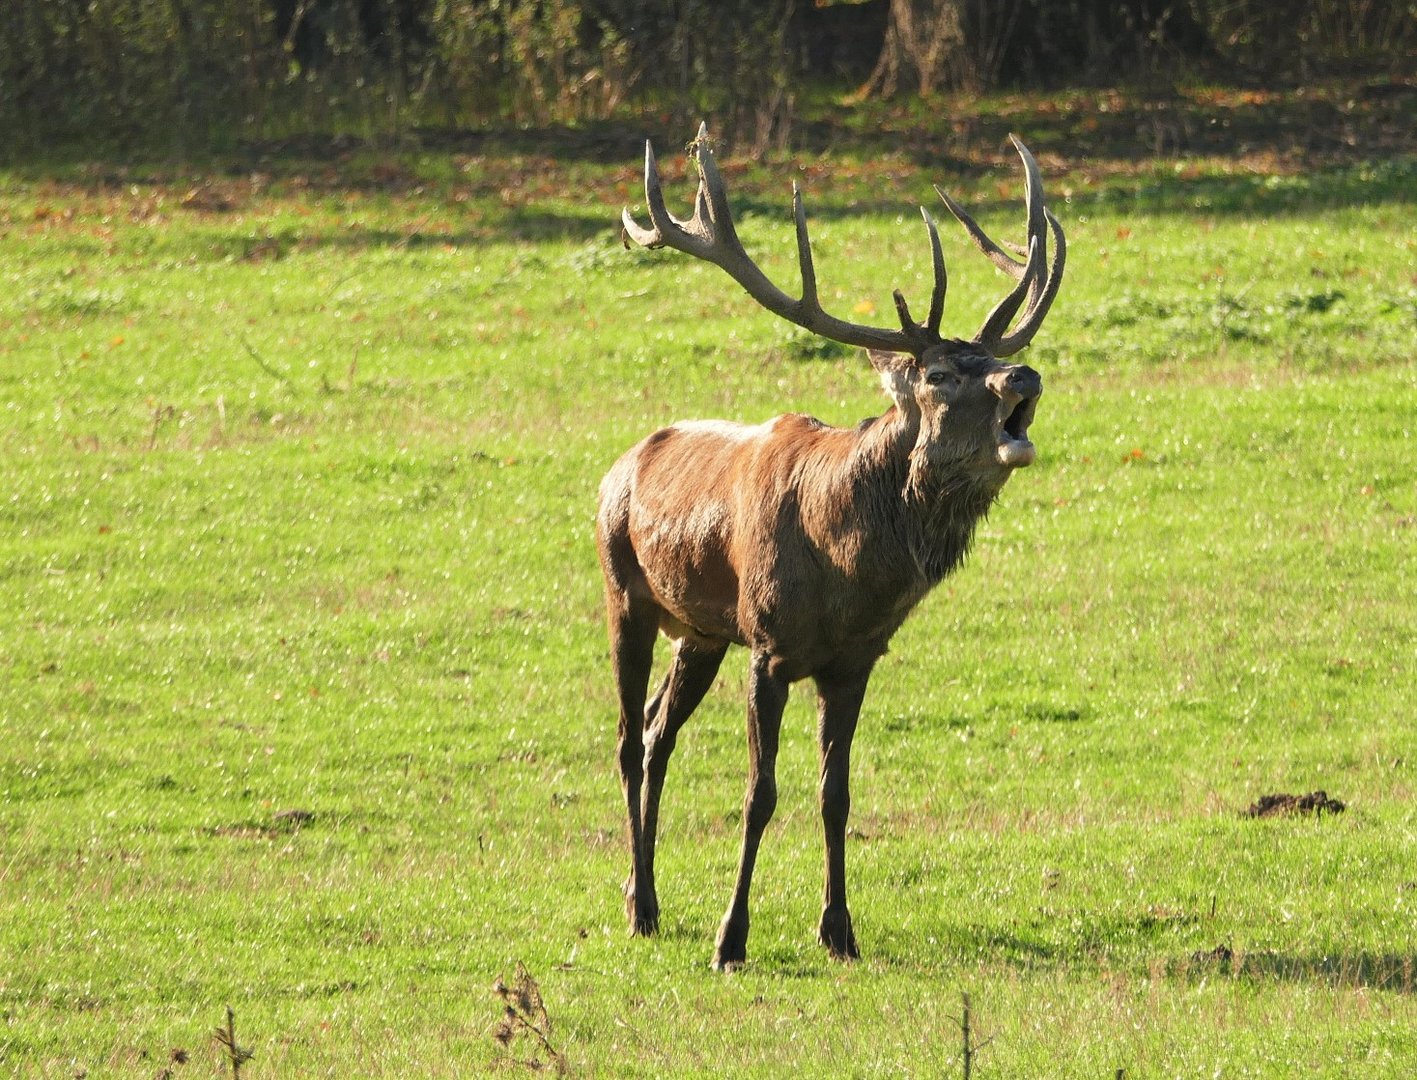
[[710, 235], [1040, 289]]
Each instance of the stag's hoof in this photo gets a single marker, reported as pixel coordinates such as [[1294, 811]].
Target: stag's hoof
[[727, 964], [732, 950], [641, 911], [836, 934], [643, 922]]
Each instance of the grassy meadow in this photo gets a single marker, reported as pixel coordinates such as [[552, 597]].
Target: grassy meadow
[[305, 706]]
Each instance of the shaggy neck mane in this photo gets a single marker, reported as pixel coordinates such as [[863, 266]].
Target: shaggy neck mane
[[939, 499], [948, 505]]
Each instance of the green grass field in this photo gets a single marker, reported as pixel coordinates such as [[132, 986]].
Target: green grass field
[[297, 479]]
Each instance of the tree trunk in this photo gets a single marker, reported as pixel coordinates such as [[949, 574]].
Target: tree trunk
[[931, 45]]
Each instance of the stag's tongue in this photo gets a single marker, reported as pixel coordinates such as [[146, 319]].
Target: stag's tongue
[[1015, 453]]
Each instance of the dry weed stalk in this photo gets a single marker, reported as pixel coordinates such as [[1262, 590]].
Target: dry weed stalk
[[970, 1047], [524, 1016], [236, 1055]]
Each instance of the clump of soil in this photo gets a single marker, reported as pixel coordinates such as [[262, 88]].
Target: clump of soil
[[1316, 802], [1221, 954]]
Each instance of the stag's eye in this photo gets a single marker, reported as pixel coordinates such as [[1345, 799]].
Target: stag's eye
[[935, 378]]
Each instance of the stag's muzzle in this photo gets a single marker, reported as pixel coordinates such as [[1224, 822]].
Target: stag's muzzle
[[1017, 388]]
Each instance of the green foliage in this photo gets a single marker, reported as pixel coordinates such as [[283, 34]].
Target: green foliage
[[204, 74], [194, 76], [306, 707]]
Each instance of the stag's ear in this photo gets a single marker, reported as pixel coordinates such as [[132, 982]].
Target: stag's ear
[[894, 370], [888, 362]]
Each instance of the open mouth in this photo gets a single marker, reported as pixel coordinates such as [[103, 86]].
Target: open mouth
[[1014, 449]]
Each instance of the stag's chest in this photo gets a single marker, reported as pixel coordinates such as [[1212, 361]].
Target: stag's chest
[[823, 604]]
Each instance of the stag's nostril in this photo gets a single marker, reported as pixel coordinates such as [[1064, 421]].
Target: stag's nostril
[[1025, 381], [1015, 383]]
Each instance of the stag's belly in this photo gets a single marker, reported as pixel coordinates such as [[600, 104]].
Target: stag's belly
[[689, 574]]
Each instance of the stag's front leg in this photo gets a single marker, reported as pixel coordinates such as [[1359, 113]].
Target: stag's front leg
[[838, 706], [767, 694]]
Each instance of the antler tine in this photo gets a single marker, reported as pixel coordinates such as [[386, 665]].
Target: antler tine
[[937, 294], [1044, 287], [711, 193], [995, 254], [1038, 308], [804, 253], [631, 229], [1038, 288], [1033, 196], [991, 334], [1037, 223], [908, 325], [693, 236]]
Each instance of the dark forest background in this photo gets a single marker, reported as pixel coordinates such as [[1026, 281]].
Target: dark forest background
[[211, 73]]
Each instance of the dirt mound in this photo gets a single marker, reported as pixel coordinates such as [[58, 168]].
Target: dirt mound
[[1221, 954], [1316, 802]]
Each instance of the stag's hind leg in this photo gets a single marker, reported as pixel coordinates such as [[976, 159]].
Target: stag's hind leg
[[691, 673], [633, 625]]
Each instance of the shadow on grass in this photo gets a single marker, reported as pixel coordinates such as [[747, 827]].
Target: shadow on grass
[[1340, 122], [1394, 972], [274, 244], [1154, 190], [1299, 125], [1019, 949], [1191, 153]]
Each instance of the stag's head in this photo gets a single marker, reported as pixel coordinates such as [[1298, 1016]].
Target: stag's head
[[974, 410], [972, 406]]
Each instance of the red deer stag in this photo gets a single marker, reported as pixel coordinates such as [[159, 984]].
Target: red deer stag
[[806, 543]]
